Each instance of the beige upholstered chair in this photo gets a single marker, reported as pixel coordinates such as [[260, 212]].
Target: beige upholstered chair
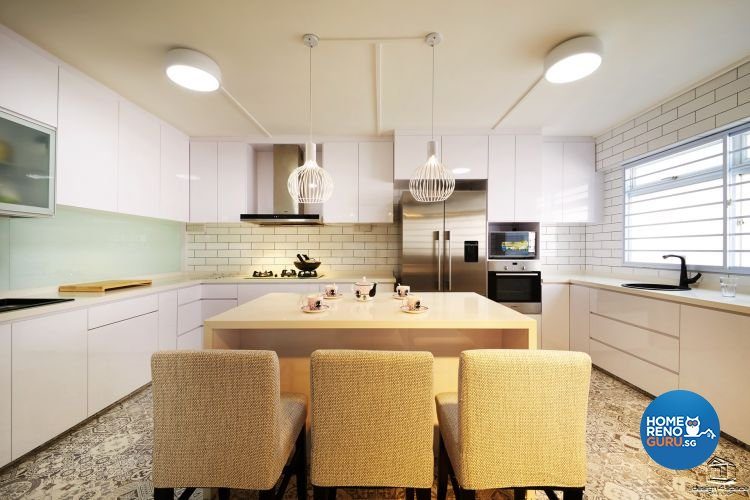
[[518, 421], [371, 421], [221, 422]]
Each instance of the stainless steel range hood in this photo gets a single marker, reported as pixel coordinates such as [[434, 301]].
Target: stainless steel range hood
[[286, 157]]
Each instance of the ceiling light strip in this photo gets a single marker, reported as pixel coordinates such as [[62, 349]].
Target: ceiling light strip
[[382, 39], [517, 102], [247, 113]]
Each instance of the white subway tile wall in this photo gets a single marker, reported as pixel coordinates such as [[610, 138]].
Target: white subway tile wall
[[720, 102], [237, 248], [563, 248]]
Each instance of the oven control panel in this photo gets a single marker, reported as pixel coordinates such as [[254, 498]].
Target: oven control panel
[[513, 266]]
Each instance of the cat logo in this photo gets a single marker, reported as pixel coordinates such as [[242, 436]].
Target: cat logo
[[721, 471]]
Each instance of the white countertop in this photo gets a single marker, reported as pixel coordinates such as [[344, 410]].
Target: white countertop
[[160, 284], [698, 297], [447, 310]]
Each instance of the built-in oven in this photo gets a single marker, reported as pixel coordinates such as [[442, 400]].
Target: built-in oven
[[516, 284]]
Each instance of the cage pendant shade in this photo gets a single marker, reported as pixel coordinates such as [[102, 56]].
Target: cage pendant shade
[[432, 182], [309, 183]]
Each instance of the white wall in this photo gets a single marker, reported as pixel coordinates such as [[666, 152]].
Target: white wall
[[717, 103]]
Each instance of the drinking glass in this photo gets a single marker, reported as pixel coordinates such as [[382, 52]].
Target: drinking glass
[[728, 286]]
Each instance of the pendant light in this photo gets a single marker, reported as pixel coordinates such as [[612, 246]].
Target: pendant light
[[309, 183], [432, 182]]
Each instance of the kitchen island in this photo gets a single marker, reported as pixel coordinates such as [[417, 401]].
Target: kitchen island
[[453, 323]]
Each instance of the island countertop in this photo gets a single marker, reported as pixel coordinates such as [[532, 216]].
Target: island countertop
[[281, 311]]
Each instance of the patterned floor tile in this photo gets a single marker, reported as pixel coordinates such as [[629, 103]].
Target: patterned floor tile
[[110, 457]]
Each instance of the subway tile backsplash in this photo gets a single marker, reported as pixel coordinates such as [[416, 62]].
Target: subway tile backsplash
[[240, 248]]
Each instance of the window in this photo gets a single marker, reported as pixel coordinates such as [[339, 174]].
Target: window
[[692, 201]]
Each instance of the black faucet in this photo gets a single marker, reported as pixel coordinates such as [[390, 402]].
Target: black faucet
[[684, 280]]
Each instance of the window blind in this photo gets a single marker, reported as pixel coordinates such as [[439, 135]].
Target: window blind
[[674, 203]]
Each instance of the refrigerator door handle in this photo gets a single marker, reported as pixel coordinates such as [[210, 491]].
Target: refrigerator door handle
[[436, 244], [449, 265]]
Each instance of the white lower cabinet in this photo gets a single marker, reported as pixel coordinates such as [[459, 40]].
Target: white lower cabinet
[[5, 394], [192, 340], [713, 362], [647, 376], [167, 338], [579, 318], [119, 359], [555, 316], [246, 293], [212, 307], [189, 317], [49, 378]]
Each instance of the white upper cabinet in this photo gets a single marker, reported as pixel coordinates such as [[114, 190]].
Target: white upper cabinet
[[138, 162], [410, 151], [528, 200], [341, 160], [501, 179], [375, 182], [174, 198], [203, 181], [583, 191], [571, 186], [466, 155], [232, 180], [28, 85], [552, 182], [86, 144]]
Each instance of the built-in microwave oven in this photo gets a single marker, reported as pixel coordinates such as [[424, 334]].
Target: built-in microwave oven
[[27, 167], [512, 245]]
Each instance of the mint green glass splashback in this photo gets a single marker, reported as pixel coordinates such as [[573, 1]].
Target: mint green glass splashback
[[83, 245]]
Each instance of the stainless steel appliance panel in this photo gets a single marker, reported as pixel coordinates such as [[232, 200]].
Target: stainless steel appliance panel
[[422, 243], [465, 242]]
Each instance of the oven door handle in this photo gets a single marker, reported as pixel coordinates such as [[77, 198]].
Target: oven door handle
[[517, 274]]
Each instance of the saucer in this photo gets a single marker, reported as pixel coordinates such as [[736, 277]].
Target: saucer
[[333, 297], [399, 297], [414, 311], [323, 308]]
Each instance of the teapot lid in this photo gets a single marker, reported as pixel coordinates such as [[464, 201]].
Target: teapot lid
[[363, 281]]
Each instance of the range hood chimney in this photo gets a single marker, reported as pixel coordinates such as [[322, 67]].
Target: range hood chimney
[[286, 157]]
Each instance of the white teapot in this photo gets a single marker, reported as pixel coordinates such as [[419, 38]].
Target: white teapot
[[364, 289]]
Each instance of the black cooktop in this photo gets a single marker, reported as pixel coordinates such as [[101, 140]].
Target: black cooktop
[[13, 304]]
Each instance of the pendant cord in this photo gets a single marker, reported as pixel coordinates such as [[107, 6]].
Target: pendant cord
[[309, 98], [432, 124]]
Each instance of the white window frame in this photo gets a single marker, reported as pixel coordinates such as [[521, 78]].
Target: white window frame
[[713, 136]]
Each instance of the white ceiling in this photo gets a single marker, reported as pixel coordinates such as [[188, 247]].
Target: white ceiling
[[493, 50]]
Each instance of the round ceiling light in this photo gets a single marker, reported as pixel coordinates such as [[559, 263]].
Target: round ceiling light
[[573, 59], [193, 70]]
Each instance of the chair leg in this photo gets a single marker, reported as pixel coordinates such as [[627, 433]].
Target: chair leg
[[424, 493], [300, 464], [186, 493], [223, 493], [466, 495], [443, 466], [519, 494], [332, 493], [409, 494], [320, 493], [163, 493], [266, 495], [573, 494]]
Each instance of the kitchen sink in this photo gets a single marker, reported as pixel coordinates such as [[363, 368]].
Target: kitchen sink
[[654, 286], [15, 304]]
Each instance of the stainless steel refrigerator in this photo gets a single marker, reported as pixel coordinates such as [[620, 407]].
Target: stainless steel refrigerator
[[444, 244]]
